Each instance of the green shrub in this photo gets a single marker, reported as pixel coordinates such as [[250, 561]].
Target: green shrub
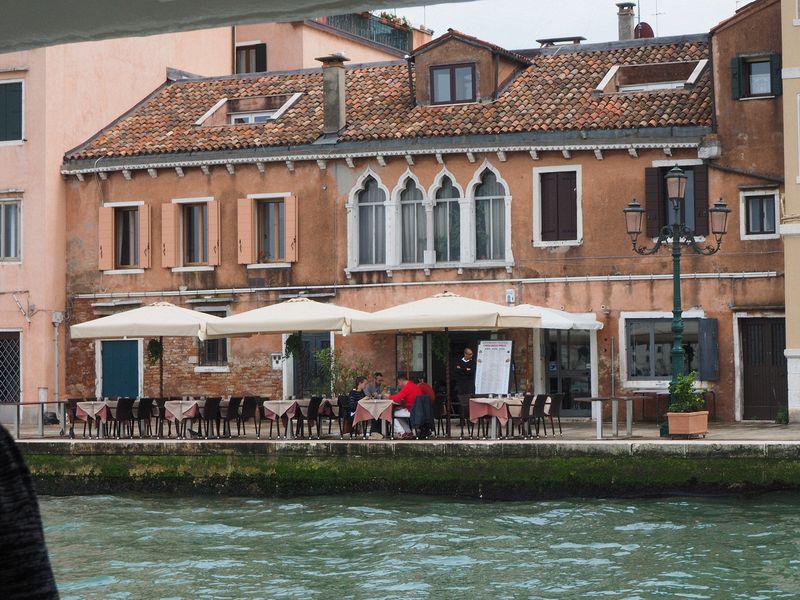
[[683, 396]]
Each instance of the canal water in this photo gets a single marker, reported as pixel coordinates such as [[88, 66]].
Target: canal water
[[407, 547]]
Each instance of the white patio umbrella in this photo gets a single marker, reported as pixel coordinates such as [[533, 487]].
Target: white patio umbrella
[[560, 319], [293, 316], [159, 319], [443, 312], [297, 314]]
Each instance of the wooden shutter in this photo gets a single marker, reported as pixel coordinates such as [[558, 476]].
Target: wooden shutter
[[244, 231], [290, 227], [775, 78], [738, 76], [701, 200], [144, 237], [11, 111], [653, 201], [709, 350], [567, 206], [169, 234], [105, 239], [214, 248], [549, 206], [261, 58]]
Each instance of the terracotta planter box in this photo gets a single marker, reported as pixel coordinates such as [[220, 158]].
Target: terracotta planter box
[[693, 423]]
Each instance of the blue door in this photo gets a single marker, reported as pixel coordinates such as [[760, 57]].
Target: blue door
[[120, 368]]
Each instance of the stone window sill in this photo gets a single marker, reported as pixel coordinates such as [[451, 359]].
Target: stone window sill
[[212, 369]]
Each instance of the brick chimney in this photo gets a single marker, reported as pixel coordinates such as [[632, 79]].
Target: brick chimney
[[333, 86], [626, 18]]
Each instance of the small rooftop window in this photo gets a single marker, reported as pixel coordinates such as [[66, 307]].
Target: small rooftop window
[[247, 111], [627, 79]]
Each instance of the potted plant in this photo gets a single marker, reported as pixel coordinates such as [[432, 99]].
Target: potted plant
[[685, 414]]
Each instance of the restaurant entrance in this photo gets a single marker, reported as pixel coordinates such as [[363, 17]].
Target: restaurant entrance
[[568, 368], [312, 343]]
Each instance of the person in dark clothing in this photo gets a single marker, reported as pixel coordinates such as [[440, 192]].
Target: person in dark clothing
[[25, 572], [356, 394], [465, 382]]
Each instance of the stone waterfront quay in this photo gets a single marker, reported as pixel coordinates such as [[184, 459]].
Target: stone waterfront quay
[[478, 469]]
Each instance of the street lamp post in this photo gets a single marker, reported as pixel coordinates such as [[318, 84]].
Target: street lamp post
[[677, 235]]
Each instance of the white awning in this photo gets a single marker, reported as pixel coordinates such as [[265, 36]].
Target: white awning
[[560, 319]]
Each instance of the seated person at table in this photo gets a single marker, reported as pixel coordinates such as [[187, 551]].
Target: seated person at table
[[374, 389], [425, 389], [405, 397], [356, 394]]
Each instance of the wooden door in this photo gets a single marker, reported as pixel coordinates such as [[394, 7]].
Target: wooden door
[[763, 367]]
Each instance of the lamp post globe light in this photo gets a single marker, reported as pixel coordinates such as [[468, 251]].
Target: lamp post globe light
[[677, 235]]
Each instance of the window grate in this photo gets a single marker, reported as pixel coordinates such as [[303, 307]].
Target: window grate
[[9, 367]]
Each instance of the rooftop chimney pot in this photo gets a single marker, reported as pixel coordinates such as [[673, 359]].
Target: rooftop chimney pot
[[626, 18], [333, 96]]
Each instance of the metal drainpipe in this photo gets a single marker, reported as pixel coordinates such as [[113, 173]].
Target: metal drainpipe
[[58, 317]]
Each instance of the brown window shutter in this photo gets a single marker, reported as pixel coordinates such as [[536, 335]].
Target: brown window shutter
[[701, 200], [549, 205], [105, 239], [654, 201], [169, 234], [244, 230], [214, 248], [290, 224], [567, 206], [144, 237]]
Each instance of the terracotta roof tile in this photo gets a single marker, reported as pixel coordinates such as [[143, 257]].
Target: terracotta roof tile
[[553, 94]]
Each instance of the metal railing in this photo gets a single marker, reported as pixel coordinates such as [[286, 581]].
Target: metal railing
[[61, 413], [371, 28]]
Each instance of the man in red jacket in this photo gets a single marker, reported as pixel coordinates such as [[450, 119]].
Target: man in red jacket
[[405, 397]]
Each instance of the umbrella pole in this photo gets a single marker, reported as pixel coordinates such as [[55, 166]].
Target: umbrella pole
[[407, 348], [161, 368], [301, 361], [447, 379]]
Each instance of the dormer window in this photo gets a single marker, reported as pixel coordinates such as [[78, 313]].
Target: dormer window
[[651, 77], [452, 84], [248, 111]]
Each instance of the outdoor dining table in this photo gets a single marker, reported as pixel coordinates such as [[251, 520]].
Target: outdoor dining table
[[100, 410], [275, 409], [369, 409], [614, 414], [499, 408]]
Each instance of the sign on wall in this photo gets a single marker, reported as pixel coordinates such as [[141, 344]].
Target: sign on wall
[[493, 367]]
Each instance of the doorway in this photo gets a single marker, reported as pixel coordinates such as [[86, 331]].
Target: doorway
[[10, 366], [764, 372], [568, 368], [312, 343], [120, 368]]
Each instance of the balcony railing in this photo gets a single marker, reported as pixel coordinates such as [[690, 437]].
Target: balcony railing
[[371, 28]]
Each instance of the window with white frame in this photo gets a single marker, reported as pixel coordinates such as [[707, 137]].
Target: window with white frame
[[195, 234], [10, 111], [413, 223], [213, 353], [270, 231], [760, 214], [649, 343], [447, 222], [490, 216], [9, 229], [126, 237], [371, 223]]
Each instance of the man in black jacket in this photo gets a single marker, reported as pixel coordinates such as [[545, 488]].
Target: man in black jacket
[[25, 572], [465, 383]]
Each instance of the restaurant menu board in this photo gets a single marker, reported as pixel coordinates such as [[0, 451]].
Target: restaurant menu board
[[493, 367]]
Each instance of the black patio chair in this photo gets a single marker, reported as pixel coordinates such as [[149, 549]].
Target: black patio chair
[[556, 400], [343, 416], [537, 414], [251, 410], [143, 415], [210, 415], [524, 418], [463, 405], [313, 416], [123, 420], [441, 415], [230, 413]]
